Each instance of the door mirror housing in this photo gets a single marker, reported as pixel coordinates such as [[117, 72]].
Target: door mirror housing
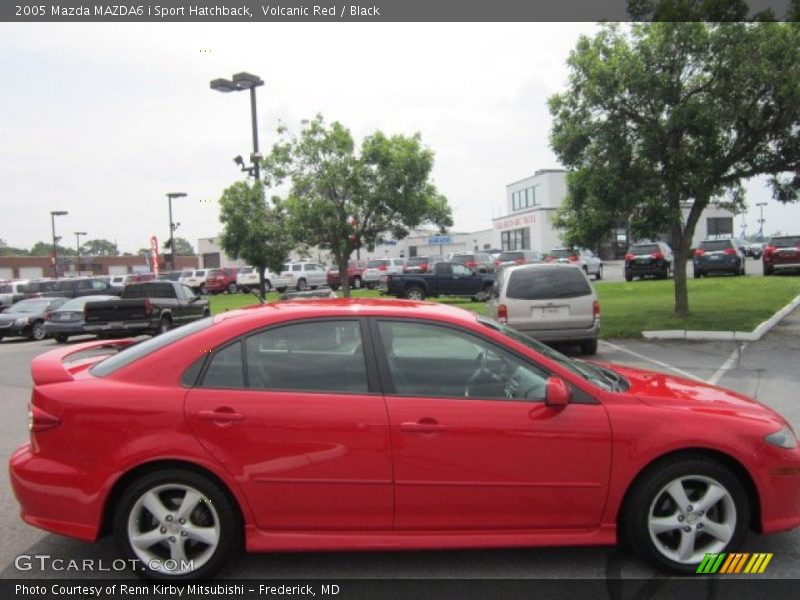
[[557, 393]]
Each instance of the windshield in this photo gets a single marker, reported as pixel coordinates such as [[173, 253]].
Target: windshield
[[6, 289], [560, 253], [373, 264], [716, 246], [34, 305], [419, 260], [589, 372], [508, 256], [785, 242]]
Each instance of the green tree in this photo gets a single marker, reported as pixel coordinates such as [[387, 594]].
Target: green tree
[[6, 250], [182, 246], [663, 116], [341, 199], [46, 249], [99, 248], [255, 230]]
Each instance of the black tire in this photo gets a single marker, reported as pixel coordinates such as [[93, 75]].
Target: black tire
[[744, 269], [599, 275], [206, 313], [698, 274], [232, 289], [414, 293], [267, 285], [628, 276], [215, 508], [769, 271], [37, 331], [650, 492], [61, 338], [334, 286], [357, 283], [280, 290], [301, 285], [164, 325], [589, 347]]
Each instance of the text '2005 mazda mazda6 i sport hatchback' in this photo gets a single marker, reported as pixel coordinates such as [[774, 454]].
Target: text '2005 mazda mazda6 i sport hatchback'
[[388, 424]]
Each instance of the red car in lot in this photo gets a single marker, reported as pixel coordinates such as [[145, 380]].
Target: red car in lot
[[386, 424], [355, 270], [221, 280], [781, 253]]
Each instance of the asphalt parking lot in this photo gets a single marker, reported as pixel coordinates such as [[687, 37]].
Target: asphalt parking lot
[[766, 369]]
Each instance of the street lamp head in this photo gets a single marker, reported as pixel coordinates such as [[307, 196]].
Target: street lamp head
[[59, 213], [245, 81], [80, 233], [176, 195], [224, 85], [239, 161]]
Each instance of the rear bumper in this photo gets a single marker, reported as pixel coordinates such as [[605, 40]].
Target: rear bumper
[[651, 269], [558, 335], [782, 265], [725, 265], [124, 328], [52, 328]]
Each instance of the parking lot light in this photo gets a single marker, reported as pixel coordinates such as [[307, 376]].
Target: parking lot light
[[172, 227], [240, 82], [78, 235], [53, 215]]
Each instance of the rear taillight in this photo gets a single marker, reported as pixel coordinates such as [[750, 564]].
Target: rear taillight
[[730, 251], [630, 256], [519, 261], [549, 259], [657, 255], [424, 266], [596, 308], [699, 252], [382, 268], [39, 420], [573, 258], [496, 262], [471, 264], [502, 314], [769, 250], [148, 307]]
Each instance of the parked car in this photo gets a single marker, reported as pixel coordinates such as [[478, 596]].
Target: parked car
[[416, 264], [196, 280], [11, 292], [742, 245], [247, 279], [67, 320], [76, 287], [355, 273], [151, 307], [718, 256], [549, 302], [222, 280], [403, 425], [478, 261], [169, 276], [649, 259], [377, 268], [755, 250], [38, 288], [511, 258], [26, 318], [584, 258], [447, 279], [301, 276], [782, 253]]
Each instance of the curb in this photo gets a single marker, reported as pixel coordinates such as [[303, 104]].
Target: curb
[[715, 336]]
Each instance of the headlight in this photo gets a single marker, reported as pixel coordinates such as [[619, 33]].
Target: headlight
[[783, 438], [22, 321]]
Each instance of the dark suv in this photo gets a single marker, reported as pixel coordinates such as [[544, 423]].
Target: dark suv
[[69, 288], [718, 256], [648, 259], [782, 252], [477, 261]]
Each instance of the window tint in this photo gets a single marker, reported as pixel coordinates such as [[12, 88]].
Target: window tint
[[321, 356], [199, 273], [461, 270], [716, 245], [506, 256], [215, 273], [226, 369], [785, 242], [374, 264], [149, 290], [429, 360], [99, 284], [297, 267], [133, 353], [644, 249], [463, 258], [547, 282]]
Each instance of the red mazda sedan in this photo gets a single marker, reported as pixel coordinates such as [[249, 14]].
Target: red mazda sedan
[[354, 425]]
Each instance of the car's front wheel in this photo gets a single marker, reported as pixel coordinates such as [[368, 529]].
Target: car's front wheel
[[599, 275], [37, 331], [357, 283], [176, 525], [589, 347], [232, 288], [684, 508], [415, 293], [301, 285], [61, 338]]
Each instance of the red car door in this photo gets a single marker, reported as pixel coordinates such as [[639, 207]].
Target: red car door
[[474, 452], [299, 428]]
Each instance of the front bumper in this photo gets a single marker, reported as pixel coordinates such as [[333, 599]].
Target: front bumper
[[778, 480], [14, 330]]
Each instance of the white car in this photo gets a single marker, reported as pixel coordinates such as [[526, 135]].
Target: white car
[[378, 268], [195, 280], [585, 259], [301, 276], [11, 292], [247, 279]]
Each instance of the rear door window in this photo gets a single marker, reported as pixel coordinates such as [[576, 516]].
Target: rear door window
[[716, 245], [541, 284]]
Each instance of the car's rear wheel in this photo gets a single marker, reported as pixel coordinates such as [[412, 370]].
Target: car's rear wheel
[[357, 283], [281, 289], [684, 508], [267, 285], [37, 331], [698, 274], [301, 285], [61, 338], [164, 325], [628, 276], [231, 288], [589, 347], [176, 525], [599, 275], [415, 293], [769, 271]]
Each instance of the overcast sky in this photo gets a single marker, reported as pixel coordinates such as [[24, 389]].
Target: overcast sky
[[102, 120]]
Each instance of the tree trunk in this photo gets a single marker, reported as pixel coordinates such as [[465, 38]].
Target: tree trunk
[[344, 280], [682, 236], [261, 283]]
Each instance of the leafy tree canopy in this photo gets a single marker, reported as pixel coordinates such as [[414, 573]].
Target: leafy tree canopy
[[46, 249], [661, 116], [99, 248], [342, 198]]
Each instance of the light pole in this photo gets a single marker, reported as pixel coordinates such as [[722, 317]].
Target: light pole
[[239, 82], [78, 235], [761, 206], [53, 215], [172, 227]]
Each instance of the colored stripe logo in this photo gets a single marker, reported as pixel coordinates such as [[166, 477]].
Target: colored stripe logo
[[734, 563]]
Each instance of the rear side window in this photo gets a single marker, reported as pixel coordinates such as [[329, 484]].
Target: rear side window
[[149, 290], [215, 273], [716, 245], [541, 284], [785, 242], [226, 369]]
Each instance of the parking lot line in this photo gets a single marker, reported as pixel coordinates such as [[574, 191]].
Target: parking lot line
[[727, 364], [653, 361]]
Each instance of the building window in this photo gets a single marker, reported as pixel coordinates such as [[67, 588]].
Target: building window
[[719, 226], [516, 239]]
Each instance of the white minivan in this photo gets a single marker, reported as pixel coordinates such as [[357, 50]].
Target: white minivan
[[548, 302]]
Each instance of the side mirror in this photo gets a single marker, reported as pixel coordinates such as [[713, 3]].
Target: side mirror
[[556, 392]]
